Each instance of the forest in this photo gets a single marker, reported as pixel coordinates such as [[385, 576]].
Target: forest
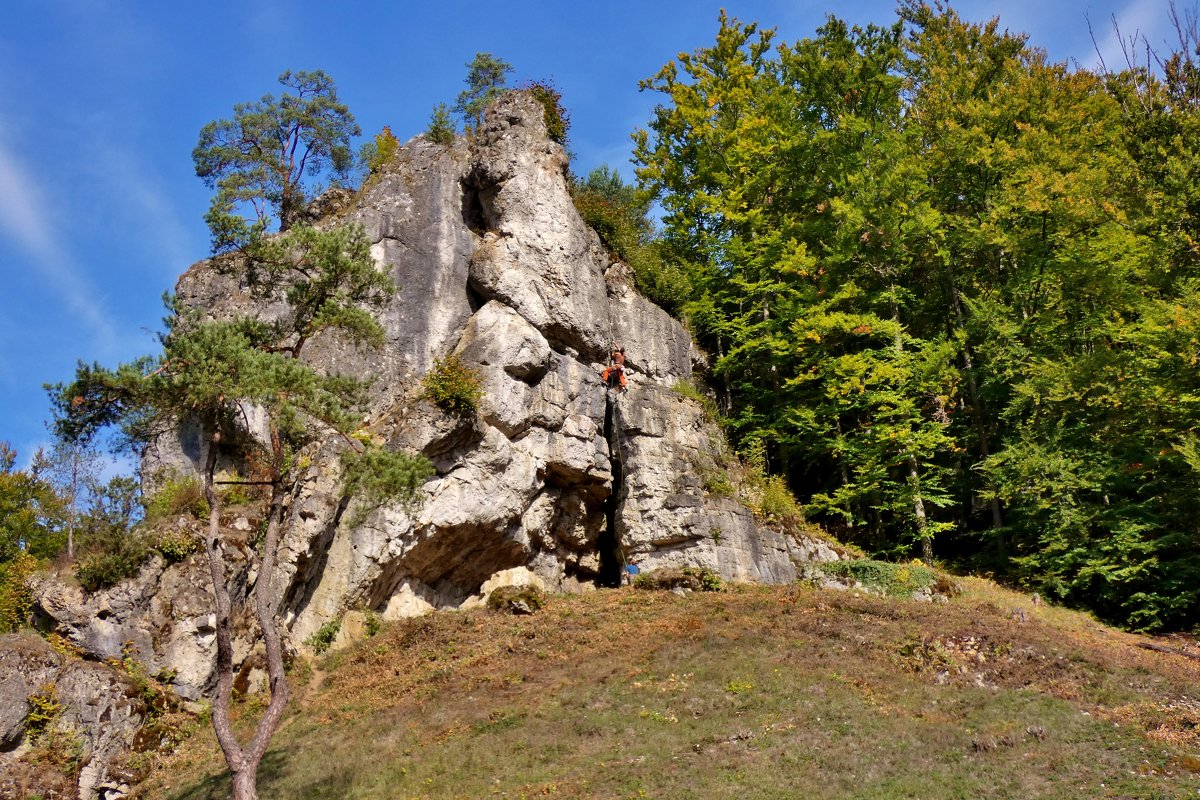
[[950, 290]]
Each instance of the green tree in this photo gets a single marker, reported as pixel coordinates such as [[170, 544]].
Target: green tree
[[486, 77], [74, 472], [262, 157], [951, 291], [620, 215], [212, 371], [786, 174], [111, 547], [441, 127], [32, 519], [375, 154], [31, 512]]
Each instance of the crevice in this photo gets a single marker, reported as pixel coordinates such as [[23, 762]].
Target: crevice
[[608, 543], [475, 298], [472, 209], [478, 200]]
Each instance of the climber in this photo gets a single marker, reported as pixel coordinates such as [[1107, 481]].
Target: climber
[[616, 367]]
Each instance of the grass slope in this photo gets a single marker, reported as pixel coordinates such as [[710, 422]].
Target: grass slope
[[755, 692]]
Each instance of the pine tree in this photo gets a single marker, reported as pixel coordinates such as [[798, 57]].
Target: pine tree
[[262, 156], [212, 372]]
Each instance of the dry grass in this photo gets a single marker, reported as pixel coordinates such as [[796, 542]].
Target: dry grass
[[756, 692]]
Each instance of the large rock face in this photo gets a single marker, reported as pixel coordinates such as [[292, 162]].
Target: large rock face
[[550, 475]]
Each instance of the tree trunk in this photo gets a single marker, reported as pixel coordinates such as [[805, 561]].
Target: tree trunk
[[222, 726], [919, 512], [243, 762], [245, 784], [914, 475], [977, 415], [849, 509], [72, 512]]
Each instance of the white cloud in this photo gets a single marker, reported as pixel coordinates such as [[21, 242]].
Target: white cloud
[[1139, 22], [25, 218]]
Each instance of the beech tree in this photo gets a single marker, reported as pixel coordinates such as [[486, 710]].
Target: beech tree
[[951, 288], [262, 156], [215, 372]]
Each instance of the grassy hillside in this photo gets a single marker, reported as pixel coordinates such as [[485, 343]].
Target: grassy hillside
[[754, 692]]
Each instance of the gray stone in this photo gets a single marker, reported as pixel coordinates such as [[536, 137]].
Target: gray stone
[[26, 664], [98, 705]]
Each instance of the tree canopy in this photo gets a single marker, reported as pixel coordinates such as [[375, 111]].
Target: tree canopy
[[264, 157], [486, 77], [950, 287], [213, 371]]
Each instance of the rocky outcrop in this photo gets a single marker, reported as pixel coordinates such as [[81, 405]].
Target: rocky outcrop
[[163, 617], [551, 475], [92, 709]]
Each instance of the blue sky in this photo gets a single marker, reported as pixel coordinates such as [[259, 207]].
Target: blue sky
[[101, 103]]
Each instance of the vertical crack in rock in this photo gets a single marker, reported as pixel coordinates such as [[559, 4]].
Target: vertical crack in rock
[[478, 196], [608, 544]]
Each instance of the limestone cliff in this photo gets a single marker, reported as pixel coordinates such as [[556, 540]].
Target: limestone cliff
[[552, 475]]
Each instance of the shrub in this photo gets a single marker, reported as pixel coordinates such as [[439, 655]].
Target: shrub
[[324, 636], [698, 579], [236, 494], [517, 599], [179, 494], [59, 747], [112, 564], [690, 390], [767, 495], [44, 710], [16, 597], [452, 385], [896, 580], [176, 545], [378, 152], [371, 623], [557, 118], [715, 478], [114, 552], [619, 215], [776, 501], [710, 581], [441, 127]]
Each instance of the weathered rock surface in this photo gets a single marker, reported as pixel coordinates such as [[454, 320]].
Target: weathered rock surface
[[98, 708], [164, 617], [549, 477]]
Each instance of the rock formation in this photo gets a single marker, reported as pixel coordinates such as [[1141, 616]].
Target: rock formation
[[551, 474], [95, 711]]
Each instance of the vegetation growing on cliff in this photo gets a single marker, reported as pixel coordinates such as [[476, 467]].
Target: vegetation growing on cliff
[[263, 157], [213, 371], [486, 78]]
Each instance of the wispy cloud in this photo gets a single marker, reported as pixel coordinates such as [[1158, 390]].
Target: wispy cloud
[[25, 217], [1129, 29]]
